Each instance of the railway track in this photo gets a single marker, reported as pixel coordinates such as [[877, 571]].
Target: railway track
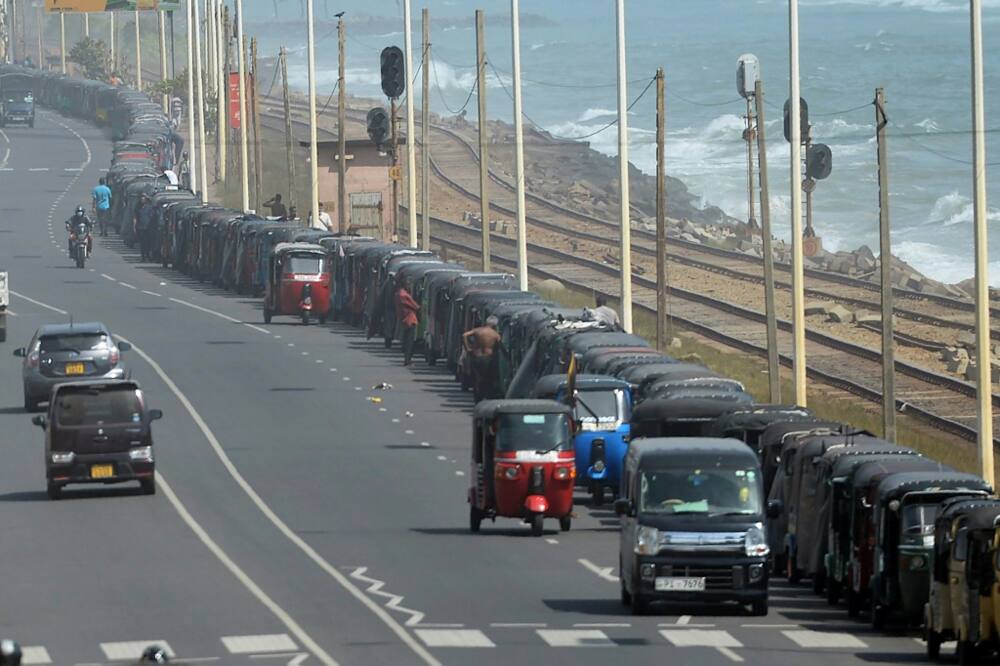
[[945, 402]]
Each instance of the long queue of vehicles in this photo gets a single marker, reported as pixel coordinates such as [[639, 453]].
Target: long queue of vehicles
[[716, 493]]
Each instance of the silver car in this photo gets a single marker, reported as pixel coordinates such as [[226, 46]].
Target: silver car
[[68, 352]]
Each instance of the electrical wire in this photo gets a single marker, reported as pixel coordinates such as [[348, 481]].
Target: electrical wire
[[330, 98], [437, 86]]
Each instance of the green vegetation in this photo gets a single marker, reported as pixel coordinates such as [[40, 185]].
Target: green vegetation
[[93, 57]]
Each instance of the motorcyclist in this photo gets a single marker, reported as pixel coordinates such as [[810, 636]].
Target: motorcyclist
[[79, 217]]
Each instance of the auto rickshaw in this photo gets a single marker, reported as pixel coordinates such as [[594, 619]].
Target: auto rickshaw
[[522, 462], [603, 409], [298, 283], [904, 511]]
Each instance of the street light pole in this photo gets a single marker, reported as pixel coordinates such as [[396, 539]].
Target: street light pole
[[138, 51], [202, 160], [623, 211], [522, 240], [795, 162], [189, 22], [244, 152], [313, 151], [411, 144]]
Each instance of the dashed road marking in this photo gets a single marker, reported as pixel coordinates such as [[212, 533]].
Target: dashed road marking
[[553, 542], [206, 310], [126, 285], [35, 654], [454, 638], [824, 639], [108, 277], [602, 625], [150, 293], [132, 650], [259, 643], [38, 169], [40, 304], [575, 637], [519, 625], [257, 328], [722, 641]]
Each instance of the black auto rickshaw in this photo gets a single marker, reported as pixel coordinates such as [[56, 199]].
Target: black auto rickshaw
[[522, 462], [684, 417]]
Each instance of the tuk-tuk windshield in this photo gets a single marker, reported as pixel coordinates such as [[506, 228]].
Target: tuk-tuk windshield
[[713, 492], [532, 432], [93, 407], [304, 263], [599, 409], [918, 521]]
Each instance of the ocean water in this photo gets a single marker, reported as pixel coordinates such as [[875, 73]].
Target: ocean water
[[918, 50]]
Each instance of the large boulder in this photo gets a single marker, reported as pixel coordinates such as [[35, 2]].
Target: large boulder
[[840, 315]]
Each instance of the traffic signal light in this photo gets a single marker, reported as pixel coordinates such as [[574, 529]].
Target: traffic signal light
[[803, 120], [393, 72], [378, 126], [819, 161]]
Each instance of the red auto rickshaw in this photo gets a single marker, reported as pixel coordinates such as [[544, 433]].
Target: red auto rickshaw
[[523, 464], [298, 283]]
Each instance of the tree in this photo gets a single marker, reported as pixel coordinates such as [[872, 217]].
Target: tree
[[93, 57]]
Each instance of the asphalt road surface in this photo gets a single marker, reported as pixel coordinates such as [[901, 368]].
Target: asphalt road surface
[[297, 520]]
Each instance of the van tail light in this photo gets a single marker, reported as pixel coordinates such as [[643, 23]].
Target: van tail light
[[33, 360]]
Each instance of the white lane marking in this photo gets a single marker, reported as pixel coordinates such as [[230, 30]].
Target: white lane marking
[[6, 156], [722, 641], [132, 650], [126, 285], [602, 625], [441, 625], [459, 472], [454, 638], [607, 573], [375, 587], [11, 313], [38, 169], [108, 277], [319, 360], [40, 304], [786, 626], [683, 619], [518, 625], [729, 653], [552, 541], [824, 639], [73, 169], [296, 658], [206, 310], [234, 568], [575, 637], [283, 527], [35, 654], [150, 293], [256, 328], [259, 643]]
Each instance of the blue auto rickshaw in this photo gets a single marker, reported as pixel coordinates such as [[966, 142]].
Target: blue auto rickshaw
[[603, 409]]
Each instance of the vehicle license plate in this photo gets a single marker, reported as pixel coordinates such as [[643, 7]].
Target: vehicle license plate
[[680, 584], [74, 368], [102, 471]]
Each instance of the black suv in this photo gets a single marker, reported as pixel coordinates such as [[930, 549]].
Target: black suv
[[98, 432]]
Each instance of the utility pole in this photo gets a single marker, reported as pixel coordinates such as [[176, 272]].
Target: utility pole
[[313, 153], [798, 288], [111, 27], [661, 215], [162, 25], [62, 41], [522, 227], [199, 79], [885, 259], [341, 131], [138, 46], [210, 62], [983, 364], [258, 155], [394, 158], [173, 50], [411, 134], [41, 38], [222, 110], [624, 214], [289, 145], [749, 135], [244, 152], [770, 307], [191, 101], [425, 137], [484, 179], [86, 24]]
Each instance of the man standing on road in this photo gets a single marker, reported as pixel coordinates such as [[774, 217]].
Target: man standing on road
[[102, 205], [406, 315], [325, 222], [480, 352], [277, 208]]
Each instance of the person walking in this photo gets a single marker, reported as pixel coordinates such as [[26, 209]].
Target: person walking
[[406, 316]]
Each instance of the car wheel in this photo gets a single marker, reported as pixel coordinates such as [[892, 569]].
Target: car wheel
[[475, 519], [537, 524], [565, 523], [148, 486], [759, 608], [639, 605], [54, 491]]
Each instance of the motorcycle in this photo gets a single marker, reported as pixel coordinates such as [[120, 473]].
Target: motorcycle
[[79, 242]]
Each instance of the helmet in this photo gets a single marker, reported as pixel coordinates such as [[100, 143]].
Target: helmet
[[10, 653], [79, 210]]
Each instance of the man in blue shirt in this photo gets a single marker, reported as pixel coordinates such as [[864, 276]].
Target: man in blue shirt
[[102, 205]]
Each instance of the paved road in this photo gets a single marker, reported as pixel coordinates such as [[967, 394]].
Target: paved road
[[298, 520]]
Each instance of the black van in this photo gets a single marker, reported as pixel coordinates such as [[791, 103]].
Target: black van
[[98, 432], [692, 513]]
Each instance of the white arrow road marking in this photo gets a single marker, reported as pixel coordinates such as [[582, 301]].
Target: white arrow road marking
[[607, 573], [375, 587]]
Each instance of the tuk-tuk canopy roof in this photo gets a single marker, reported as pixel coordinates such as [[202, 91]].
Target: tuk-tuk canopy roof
[[710, 384], [818, 445], [774, 434], [895, 486], [549, 385], [686, 409], [488, 409], [756, 418], [864, 444], [693, 451], [981, 513], [865, 474], [281, 248], [636, 374], [590, 339]]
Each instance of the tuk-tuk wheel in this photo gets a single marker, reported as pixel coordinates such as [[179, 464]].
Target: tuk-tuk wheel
[[305, 317], [759, 608], [475, 519], [879, 615], [966, 652], [148, 486], [819, 582], [565, 523], [597, 493], [537, 524], [853, 602], [793, 573], [625, 596], [832, 591], [933, 639], [322, 319]]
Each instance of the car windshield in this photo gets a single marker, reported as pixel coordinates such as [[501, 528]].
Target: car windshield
[[304, 263], [532, 432], [919, 518], [78, 342], [98, 407], [598, 407], [712, 491]]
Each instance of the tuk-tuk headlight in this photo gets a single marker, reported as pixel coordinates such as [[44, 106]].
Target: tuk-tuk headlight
[[918, 562], [509, 472], [928, 541], [563, 473], [62, 457], [755, 542], [647, 541], [599, 466]]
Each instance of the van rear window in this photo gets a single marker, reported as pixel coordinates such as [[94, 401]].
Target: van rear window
[[78, 342], [98, 407]]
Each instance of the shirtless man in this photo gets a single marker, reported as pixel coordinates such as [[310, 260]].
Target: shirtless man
[[480, 346]]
